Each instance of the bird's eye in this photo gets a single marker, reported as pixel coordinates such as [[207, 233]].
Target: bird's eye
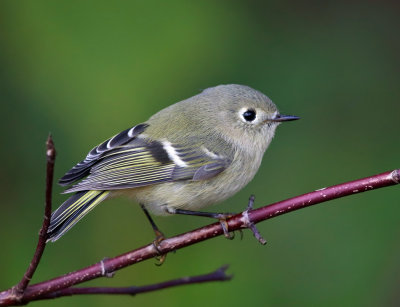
[[249, 115]]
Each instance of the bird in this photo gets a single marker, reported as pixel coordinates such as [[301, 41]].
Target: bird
[[191, 154]]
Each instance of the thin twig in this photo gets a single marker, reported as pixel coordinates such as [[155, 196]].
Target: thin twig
[[18, 290], [239, 221], [217, 275]]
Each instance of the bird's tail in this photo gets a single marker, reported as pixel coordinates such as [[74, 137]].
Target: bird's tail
[[72, 210]]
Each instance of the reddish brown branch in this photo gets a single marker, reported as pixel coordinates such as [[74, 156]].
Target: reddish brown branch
[[217, 275], [322, 195], [245, 219], [18, 290]]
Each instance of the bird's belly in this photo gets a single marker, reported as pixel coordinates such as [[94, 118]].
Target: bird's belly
[[190, 195]]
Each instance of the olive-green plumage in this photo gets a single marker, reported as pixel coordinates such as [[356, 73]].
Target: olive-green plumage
[[189, 155]]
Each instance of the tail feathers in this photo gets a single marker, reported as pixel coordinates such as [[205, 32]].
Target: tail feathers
[[72, 210]]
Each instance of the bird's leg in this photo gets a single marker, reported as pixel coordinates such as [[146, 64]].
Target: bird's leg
[[250, 224], [219, 216], [159, 236]]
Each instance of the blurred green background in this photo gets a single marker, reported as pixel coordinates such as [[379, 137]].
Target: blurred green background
[[85, 70]]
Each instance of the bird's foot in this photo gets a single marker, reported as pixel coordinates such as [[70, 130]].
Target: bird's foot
[[250, 224], [156, 243]]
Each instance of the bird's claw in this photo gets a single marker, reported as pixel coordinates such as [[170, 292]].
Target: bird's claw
[[156, 243], [224, 225]]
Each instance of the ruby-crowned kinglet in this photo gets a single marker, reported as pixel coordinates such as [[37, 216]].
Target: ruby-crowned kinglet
[[192, 154]]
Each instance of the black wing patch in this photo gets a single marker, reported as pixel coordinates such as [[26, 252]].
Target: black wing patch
[[82, 169]]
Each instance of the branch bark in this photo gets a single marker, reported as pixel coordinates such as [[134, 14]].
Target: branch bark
[[246, 219]]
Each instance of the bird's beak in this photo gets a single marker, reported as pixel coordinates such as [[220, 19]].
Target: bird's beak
[[283, 118]]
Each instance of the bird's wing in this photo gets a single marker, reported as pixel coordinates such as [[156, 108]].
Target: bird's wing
[[129, 161], [82, 169]]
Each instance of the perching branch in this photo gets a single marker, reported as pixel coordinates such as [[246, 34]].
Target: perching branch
[[246, 219]]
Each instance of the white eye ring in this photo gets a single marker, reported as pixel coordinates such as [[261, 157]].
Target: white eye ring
[[248, 115]]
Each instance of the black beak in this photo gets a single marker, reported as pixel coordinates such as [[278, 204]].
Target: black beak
[[284, 118]]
